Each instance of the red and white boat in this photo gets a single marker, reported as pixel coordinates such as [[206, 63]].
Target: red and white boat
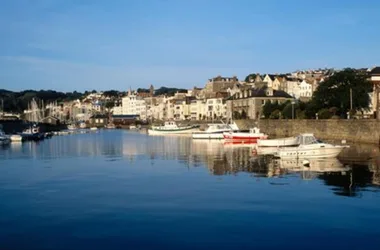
[[252, 135]]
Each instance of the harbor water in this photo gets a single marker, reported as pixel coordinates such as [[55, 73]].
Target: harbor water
[[117, 189]]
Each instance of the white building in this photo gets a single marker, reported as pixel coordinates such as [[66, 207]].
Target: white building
[[132, 105], [197, 109], [305, 89], [216, 108]]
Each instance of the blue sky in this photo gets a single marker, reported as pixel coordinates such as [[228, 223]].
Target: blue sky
[[82, 45]]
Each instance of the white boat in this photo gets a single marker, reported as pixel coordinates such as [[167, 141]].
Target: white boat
[[280, 142], [93, 128], [172, 128], [16, 138], [110, 126], [215, 131], [309, 147], [132, 127], [251, 136], [82, 125], [31, 130], [4, 139], [71, 127], [264, 150]]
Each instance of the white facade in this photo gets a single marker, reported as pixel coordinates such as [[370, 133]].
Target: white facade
[[118, 110], [197, 109], [215, 108], [293, 88], [268, 80], [305, 89], [276, 84], [133, 105]]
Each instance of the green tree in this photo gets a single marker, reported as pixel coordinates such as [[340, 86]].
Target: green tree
[[249, 77], [324, 114], [335, 92], [275, 114], [109, 104], [267, 109]]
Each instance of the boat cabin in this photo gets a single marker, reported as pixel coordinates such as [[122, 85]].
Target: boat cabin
[[307, 139], [254, 130]]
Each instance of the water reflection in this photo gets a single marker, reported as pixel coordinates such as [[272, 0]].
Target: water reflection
[[357, 169]]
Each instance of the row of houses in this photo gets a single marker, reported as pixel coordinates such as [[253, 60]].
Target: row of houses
[[222, 97]]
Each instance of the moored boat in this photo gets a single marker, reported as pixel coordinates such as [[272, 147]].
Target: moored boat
[[32, 133], [252, 135], [4, 139], [110, 126], [16, 138], [172, 128], [215, 131], [71, 127], [310, 147], [82, 125], [280, 142]]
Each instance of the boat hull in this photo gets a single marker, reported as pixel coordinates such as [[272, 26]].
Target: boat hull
[[244, 136], [187, 130], [323, 152], [281, 142], [16, 138]]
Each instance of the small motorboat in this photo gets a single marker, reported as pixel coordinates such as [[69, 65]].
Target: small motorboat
[[82, 125], [32, 133], [71, 127], [93, 128], [280, 142], [110, 126], [215, 131], [309, 147], [252, 135], [16, 138], [172, 128], [4, 139]]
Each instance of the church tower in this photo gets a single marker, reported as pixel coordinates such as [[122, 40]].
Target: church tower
[[151, 90]]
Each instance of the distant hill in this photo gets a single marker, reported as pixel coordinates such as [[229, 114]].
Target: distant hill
[[18, 101]]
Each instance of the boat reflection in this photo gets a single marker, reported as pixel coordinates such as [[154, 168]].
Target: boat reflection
[[312, 165]]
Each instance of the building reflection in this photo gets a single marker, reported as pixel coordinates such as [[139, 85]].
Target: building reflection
[[357, 168]]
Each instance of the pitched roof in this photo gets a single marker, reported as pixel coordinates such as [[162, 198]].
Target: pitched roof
[[262, 92]]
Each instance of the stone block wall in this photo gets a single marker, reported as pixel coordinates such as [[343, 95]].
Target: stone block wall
[[363, 131]]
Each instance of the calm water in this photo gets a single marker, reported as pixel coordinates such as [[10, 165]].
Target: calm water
[[127, 190]]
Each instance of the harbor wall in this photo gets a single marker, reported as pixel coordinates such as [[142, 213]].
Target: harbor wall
[[362, 131]]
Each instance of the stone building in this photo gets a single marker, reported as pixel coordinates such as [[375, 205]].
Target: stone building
[[248, 103], [220, 83]]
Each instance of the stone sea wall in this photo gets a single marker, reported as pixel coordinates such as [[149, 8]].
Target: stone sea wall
[[363, 131]]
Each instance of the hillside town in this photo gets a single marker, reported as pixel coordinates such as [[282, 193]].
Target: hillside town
[[220, 98]]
